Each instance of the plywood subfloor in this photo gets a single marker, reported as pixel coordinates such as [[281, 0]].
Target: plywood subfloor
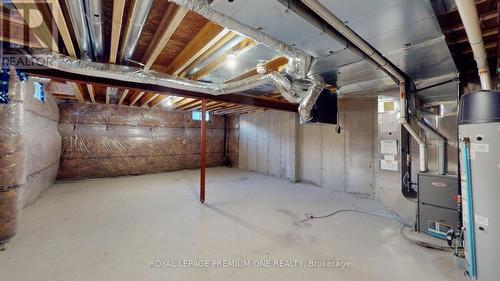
[[111, 229]]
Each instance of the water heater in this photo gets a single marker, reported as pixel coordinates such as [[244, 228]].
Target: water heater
[[479, 134]]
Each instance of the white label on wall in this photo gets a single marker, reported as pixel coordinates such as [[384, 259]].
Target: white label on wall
[[480, 220], [482, 147], [388, 165], [389, 157], [389, 147]]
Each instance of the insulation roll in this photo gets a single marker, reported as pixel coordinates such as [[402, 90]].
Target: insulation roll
[[12, 158]]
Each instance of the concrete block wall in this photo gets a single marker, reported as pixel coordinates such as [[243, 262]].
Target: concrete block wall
[[102, 140]]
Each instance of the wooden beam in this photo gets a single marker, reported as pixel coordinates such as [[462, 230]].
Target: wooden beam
[[147, 98], [58, 16], [90, 89], [34, 19], [136, 97], [168, 25], [237, 98], [116, 29], [275, 64], [123, 96], [224, 40], [78, 91], [244, 46], [208, 36]]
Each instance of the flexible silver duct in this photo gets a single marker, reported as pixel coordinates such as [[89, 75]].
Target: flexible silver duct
[[95, 16], [299, 62], [291, 90], [79, 22], [441, 146], [310, 98], [135, 25]]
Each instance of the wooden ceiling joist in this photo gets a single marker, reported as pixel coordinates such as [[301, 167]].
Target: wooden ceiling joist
[[58, 16], [275, 64], [244, 46], [210, 34], [34, 19], [135, 97], [123, 96], [169, 24], [90, 89], [216, 46], [147, 98], [78, 91], [116, 29]]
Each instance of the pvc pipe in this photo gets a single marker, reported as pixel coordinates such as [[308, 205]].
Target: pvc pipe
[[441, 147], [468, 14], [422, 146]]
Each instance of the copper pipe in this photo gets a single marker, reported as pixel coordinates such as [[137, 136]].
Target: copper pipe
[[203, 149]]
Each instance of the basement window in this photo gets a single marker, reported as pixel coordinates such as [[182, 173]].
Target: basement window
[[39, 93], [196, 115]]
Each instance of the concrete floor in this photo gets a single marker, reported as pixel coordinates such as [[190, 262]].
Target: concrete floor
[[112, 229]]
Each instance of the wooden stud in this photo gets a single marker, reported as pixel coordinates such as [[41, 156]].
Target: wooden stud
[[210, 34]]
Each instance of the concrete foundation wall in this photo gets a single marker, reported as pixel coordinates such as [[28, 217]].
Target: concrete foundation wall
[[267, 143], [102, 140], [233, 140], [270, 140]]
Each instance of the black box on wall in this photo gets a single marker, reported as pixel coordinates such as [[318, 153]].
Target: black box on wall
[[325, 109]]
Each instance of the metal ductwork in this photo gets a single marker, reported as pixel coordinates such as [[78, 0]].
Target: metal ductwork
[[140, 12], [372, 54], [76, 10], [95, 16], [86, 18], [441, 146], [468, 14], [299, 62], [295, 90]]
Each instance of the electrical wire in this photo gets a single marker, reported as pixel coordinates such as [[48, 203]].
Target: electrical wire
[[311, 216], [406, 237]]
